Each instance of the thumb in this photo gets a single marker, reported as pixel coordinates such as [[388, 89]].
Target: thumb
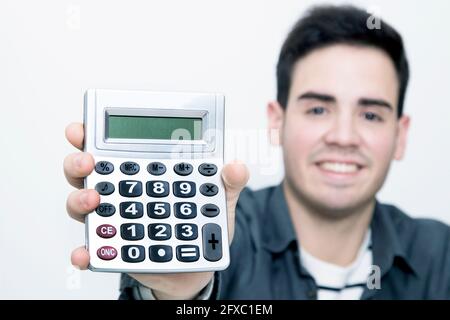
[[235, 176]]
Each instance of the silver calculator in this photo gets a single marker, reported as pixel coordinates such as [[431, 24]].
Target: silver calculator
[[158, 158]]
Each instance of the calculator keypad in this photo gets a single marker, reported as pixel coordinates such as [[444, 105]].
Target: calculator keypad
[[174, 220]]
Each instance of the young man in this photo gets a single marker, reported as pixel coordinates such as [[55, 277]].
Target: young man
[[321, 234]]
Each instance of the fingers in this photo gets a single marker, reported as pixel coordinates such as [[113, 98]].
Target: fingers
[[77, 166], [75, 134], [80, 258], [235, 176], [81, 202]]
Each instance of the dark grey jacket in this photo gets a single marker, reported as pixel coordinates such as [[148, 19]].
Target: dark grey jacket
[[413, 255]]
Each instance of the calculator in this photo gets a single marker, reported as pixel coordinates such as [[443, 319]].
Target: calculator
[[158, 158]]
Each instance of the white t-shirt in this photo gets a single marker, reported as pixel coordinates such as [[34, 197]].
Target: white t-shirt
[[340, 283]]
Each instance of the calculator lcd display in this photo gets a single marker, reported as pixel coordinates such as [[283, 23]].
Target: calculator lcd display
[[166, 128]]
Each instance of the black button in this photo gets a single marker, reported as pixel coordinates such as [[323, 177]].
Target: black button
[[104, 167], [209, 189], [158, 210], [133, 253], [132, 231], [184, 189], [183, 168], [186, 231], [160, 253], [156, 168], [129, 168], [159, 231], [187, 253], [207, 169], [130, 188], [104, 188], [185, 210], [210, 210], [131, 210], [157, 189], [212, 242], [105, 209]]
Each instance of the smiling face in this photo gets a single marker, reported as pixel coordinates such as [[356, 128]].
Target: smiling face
[[340, 129]]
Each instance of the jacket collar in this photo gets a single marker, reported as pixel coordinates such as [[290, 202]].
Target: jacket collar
[[278, 232]]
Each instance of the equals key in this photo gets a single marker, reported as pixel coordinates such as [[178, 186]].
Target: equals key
[[187, 253]]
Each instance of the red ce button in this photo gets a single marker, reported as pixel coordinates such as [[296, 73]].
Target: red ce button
[[106, 231]]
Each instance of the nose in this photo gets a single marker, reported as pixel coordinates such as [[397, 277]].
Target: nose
[[343, 132]]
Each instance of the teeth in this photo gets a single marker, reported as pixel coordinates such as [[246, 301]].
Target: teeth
[[339, 167]]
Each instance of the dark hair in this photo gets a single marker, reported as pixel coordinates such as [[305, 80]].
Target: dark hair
[[327, 25]]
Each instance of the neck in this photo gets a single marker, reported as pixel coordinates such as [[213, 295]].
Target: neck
[[334, 240]]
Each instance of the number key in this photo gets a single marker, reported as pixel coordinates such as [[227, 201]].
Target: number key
[[131, 210], [132, 231], [158, 210], [185, 210], [184, 189], [133, 253], [130, 188], [186, 231], [157, 189], [159, 231]]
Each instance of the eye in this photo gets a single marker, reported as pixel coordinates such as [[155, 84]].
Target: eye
[[372, 116], [316, 111]]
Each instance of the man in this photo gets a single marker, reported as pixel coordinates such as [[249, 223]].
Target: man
[[321, 234]]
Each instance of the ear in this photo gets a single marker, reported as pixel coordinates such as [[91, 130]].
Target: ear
[[275, 115], [402, 133]]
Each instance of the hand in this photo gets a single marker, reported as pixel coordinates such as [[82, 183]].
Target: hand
[[83, 201]]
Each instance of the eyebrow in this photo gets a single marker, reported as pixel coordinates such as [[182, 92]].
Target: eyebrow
[[363, 102], [367, 102], [316, 96]]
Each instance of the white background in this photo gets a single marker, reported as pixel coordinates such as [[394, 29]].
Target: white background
[[51, 51]]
